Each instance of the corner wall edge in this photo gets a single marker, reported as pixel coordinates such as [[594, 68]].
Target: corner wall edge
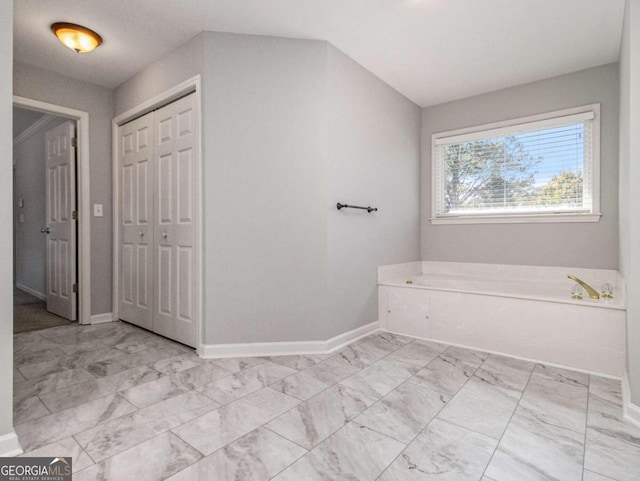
[[9, 445], [630, 411]]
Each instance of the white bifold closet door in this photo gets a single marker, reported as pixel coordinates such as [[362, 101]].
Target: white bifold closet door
[[158, 285]]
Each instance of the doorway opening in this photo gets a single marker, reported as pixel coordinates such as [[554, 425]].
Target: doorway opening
[[51, 216], [42, 299]]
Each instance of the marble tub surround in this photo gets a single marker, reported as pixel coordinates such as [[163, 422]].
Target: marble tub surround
[[521, 311], [386, 407], [551, 275]]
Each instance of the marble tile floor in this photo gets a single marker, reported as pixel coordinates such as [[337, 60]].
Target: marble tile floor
[[126, 404]]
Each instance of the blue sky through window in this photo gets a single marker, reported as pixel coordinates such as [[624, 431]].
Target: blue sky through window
[[560, 149]]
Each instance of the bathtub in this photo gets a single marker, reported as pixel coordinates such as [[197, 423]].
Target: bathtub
[[521, 311]]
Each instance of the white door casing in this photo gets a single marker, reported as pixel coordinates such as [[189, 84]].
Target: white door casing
[[158, 221], [61, 227], [136, 221], [176, 218]]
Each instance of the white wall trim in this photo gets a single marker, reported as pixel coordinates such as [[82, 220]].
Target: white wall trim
[[192, 85], [499, 353], [213, 351], [40, 295], [9, 445], [34, 128], [518, 219], [83, 191], [102, 318], [160, 100], [630, 411]]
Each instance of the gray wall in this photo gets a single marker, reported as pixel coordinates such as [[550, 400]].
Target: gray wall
[[373, 154], [6, 217], [181, 64], [30, 186], [592, 245], [265, 189], [269, 196], [46, 86], [629, 182], [263, 180]]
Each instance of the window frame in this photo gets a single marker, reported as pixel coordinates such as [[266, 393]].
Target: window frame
[[561, 216]]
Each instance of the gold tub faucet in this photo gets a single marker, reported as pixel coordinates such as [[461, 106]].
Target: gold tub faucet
[[593, 294]]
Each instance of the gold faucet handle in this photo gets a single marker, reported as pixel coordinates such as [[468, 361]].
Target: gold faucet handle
[[593, 294]]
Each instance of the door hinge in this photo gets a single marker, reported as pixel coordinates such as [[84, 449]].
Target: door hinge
[[74, 142], [75, 288], [74, 215]]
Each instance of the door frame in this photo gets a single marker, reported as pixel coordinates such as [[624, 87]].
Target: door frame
[[192, 85], [83, 189]]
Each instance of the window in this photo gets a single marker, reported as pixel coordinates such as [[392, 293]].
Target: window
[[543, 168]]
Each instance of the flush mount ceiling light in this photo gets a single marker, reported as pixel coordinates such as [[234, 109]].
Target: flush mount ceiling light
[[78, 38]]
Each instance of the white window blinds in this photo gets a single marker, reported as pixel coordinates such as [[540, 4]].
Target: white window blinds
[[539, 167]]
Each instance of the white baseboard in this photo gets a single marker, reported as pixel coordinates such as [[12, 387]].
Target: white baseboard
[[341, 340], [506, 354], [9, 445], [630, 411], [101, 318], [33, 292], [253, 349]]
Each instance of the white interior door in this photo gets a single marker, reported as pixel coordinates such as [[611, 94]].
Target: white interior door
[[136, 221], [61, 227], [176, 216]]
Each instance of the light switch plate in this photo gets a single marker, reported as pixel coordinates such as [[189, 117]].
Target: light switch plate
[[21, 218], [97, 210], [21, 202]]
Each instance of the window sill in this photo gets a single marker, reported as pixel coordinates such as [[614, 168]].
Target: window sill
[[517, 219]]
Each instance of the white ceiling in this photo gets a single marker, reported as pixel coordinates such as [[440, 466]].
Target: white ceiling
[[432, 51]]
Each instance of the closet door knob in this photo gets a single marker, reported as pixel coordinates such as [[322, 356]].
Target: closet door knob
[[141, 234], [164, 235]]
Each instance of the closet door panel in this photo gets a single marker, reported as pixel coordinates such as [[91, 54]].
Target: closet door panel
[[175, 201], [136, 221]]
